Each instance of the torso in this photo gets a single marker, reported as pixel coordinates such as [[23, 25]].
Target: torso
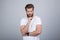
[[32, 28]]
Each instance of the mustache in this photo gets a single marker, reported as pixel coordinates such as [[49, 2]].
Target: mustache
[[29, 15]]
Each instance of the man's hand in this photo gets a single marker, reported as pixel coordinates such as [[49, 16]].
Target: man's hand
[[29, 20]]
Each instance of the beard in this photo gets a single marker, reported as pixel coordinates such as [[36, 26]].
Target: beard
[[29, 15]]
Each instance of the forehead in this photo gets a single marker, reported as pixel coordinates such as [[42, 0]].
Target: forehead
[[29, 9]]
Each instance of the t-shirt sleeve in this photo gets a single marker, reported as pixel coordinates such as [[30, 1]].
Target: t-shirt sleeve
[[22, 22], [38, 21]]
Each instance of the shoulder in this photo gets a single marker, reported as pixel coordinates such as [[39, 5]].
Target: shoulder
[[37, 17], [23, 19], [38, 20]]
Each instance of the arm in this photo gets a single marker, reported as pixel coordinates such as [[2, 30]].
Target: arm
[[24, 29], [37, 31]]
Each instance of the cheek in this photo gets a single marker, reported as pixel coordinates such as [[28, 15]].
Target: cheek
[[30, 12], [27, 12]]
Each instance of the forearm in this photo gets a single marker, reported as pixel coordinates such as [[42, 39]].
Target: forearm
[[37, 31], [25, 29], [34, 33]]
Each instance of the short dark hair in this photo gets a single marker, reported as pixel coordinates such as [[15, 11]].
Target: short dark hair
[[29, 6]]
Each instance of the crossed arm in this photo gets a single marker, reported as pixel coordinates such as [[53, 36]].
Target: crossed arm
[[24, 30], [37, 31]]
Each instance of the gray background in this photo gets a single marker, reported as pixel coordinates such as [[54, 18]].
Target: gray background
[[11, 12]]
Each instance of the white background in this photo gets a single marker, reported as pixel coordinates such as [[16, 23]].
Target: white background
[[11, 12]]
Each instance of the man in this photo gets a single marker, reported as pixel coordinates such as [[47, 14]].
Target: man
[[30, 26]]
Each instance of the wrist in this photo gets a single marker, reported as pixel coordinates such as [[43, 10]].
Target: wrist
[[27, 33]]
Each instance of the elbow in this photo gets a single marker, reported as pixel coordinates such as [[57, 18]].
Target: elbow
[[38, 33], [23, 34]]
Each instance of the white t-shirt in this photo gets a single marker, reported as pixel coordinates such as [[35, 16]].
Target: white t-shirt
[[32, 27]]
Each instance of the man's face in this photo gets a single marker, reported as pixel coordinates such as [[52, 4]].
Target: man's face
[[29, 12]]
